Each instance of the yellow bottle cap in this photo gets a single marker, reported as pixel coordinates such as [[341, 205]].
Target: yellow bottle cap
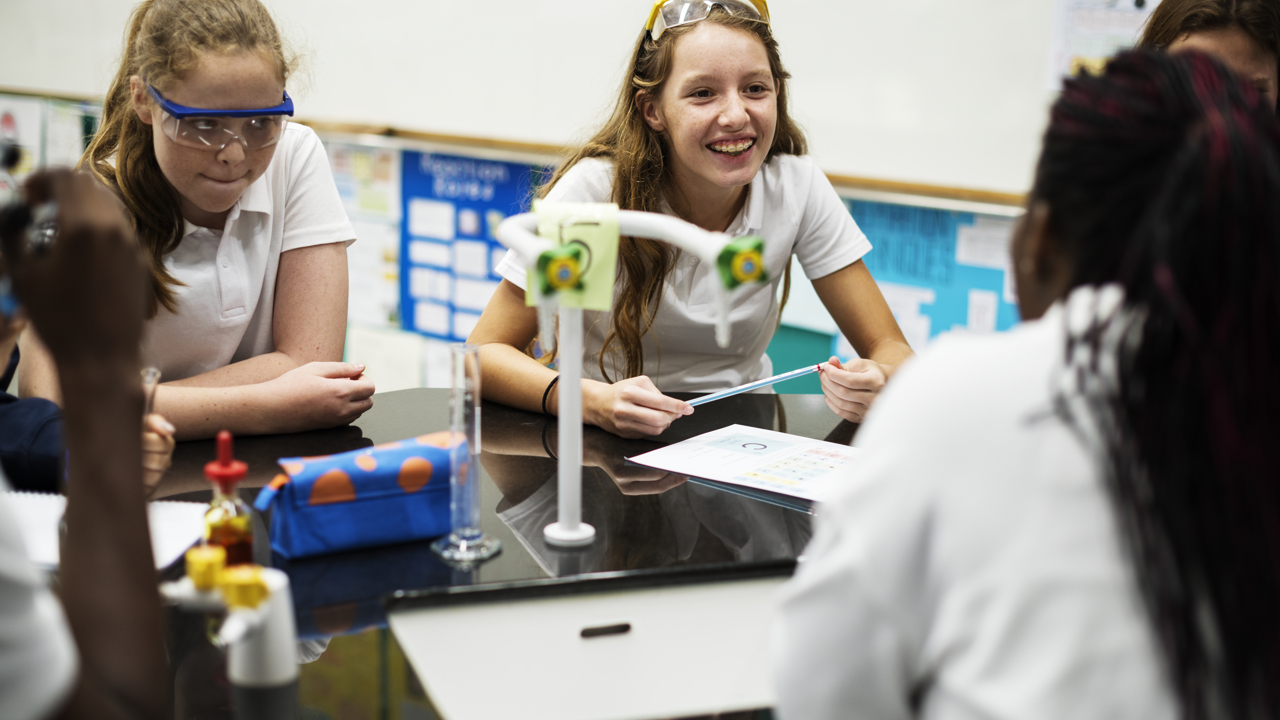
[[243, 586], [205, 564]]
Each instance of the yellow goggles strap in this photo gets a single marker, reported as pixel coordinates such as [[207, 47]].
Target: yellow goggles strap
[[762, 6]]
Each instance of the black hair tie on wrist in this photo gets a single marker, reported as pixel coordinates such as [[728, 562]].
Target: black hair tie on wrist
[[546, 445], [547, 393]]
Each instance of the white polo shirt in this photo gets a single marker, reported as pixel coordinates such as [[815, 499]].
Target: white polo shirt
[[38, 658], [224, 311], [973, 562], [792, 205]]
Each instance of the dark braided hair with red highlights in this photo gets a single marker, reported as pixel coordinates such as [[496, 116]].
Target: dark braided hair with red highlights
[[1163, 176]]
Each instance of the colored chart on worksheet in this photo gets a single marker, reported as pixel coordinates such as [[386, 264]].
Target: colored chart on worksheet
[[761, 459]]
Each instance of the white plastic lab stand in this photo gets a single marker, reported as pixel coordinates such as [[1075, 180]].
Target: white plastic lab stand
[[519, 232]]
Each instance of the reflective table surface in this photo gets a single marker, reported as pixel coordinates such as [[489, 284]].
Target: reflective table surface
[[648, 522]]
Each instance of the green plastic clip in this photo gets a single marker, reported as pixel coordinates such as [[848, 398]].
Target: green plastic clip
[[742, 262], [560, 269]]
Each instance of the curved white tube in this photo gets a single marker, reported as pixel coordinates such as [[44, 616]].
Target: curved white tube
[[520, 233], [684, 235]]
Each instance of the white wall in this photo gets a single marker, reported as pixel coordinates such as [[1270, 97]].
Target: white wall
[[948, 92]]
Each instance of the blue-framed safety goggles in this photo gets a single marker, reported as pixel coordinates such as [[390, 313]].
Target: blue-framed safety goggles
[[667, 14], [208, 129]]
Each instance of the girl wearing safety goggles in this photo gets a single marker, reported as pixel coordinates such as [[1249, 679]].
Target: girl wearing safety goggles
[[701, 131], [237, 210]]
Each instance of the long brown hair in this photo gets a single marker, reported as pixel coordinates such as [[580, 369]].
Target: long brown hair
[[641, 176], [1173, 19], [164, 40]]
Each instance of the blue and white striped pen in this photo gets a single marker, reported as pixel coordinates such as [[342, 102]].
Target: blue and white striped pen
[[757, 384]]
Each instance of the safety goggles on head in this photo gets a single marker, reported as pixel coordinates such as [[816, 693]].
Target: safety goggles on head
[[215, 129], [667, 14]]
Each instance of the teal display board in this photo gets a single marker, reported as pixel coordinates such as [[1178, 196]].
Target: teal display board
[[952, 266], [939, 271]]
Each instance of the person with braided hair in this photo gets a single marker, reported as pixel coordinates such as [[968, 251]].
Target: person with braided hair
[[1079, 518]]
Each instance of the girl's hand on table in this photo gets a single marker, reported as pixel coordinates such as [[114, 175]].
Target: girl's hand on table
[[631, 408], [850, 389], [319, 395], [157, 450]]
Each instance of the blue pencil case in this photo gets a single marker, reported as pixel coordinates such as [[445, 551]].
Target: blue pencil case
[[387, 494]]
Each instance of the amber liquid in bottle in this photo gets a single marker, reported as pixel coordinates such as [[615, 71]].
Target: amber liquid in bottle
[[227, 524]]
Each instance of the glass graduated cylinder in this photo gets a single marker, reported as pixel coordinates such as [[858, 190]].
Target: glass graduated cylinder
[[465, 542]]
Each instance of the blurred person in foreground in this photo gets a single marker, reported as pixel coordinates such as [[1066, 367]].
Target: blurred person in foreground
[[1079, 518], [99, 654]]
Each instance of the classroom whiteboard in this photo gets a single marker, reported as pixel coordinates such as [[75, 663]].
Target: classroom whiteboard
[[946, 92]]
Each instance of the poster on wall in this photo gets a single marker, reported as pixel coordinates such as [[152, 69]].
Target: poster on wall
[[68, 127], [368, 181], [451, 207], [22, 123], [939, 270], [1087, 32]]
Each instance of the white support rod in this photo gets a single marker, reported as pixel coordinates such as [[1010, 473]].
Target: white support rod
[[569, 403], [569, 530]]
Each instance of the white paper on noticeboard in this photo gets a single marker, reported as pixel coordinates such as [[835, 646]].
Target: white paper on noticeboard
[[432, 219], [1086, 31], [429, 317], [425, 252], [473, 294], [471, 257]]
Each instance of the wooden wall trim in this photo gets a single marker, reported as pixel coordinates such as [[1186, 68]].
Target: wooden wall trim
[[845, 181], [935, 191], [60, 95]]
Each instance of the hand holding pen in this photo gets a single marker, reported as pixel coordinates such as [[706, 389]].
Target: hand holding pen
[[849, 388], [631, 408]]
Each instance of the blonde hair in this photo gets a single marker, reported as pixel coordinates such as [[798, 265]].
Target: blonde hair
[[164, 40], [641, 176]]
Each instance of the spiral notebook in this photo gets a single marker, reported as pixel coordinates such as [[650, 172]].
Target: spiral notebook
[[175, 526]]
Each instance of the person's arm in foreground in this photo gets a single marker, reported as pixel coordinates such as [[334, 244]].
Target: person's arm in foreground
[[87, 294], [298, 387], [855, 303], [850, 624], [631, 408]]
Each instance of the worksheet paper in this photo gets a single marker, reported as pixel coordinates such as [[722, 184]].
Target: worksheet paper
[[760, 459], [175, 526]]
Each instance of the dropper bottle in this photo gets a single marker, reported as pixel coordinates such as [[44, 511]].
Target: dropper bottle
[[227, 522]]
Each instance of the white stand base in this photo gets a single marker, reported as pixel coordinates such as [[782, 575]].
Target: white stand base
[[556, 534]]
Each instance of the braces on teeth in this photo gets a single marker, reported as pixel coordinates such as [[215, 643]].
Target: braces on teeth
[[734, 149]]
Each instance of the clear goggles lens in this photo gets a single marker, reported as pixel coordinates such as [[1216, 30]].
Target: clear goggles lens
[[675, 13], [215, 133]]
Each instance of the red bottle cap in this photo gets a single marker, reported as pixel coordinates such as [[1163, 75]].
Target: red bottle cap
[[226, 471]]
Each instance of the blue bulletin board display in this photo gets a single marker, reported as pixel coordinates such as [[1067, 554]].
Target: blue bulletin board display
[[939, 270], [448, 254]]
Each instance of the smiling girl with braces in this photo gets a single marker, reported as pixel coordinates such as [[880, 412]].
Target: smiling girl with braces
[[702, 131]]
